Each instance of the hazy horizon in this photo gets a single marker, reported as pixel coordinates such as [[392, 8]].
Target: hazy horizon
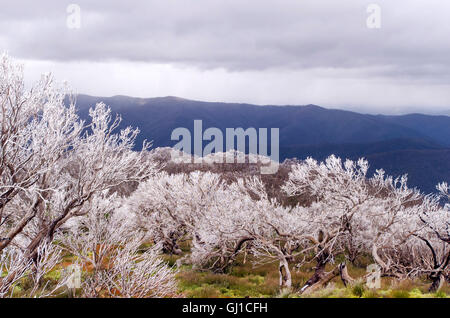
[[319, 52], [447, 113]]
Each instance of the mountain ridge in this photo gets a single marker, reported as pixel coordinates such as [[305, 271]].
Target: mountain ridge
[[178, 98], [305, 130]]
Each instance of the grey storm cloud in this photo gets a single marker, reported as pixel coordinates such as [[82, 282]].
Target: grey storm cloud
[[412, 46], [236, 35]]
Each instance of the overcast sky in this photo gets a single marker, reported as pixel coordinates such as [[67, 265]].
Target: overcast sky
[[256, 51]]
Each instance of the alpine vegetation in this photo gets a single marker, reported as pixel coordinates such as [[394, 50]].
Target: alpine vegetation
[[77, 194], [56, 168]]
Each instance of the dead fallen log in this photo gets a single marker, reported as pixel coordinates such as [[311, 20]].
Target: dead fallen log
[[321, 278]]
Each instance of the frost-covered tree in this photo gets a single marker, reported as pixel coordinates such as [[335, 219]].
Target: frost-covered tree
[[134, 273], [18, 269], [108, 249], [52, 163], [169, 206], [433, 248], [245, 217], [444, 189], [36, 132], [221, 232], [13, 267], [216, 217], [354, 213], [340, 191]]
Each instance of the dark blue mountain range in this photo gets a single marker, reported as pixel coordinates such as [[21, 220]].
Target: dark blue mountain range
[[416, 144]]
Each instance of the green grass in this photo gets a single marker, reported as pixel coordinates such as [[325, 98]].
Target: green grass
[[245, 280], [358, 290]]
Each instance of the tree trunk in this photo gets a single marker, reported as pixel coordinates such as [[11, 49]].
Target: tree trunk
[[285, 274], [170, 247], [319, 279], [437, 282], [345, 277], [317, 276], [5, 241], [228, 259], [319, 273], [31, 251]]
